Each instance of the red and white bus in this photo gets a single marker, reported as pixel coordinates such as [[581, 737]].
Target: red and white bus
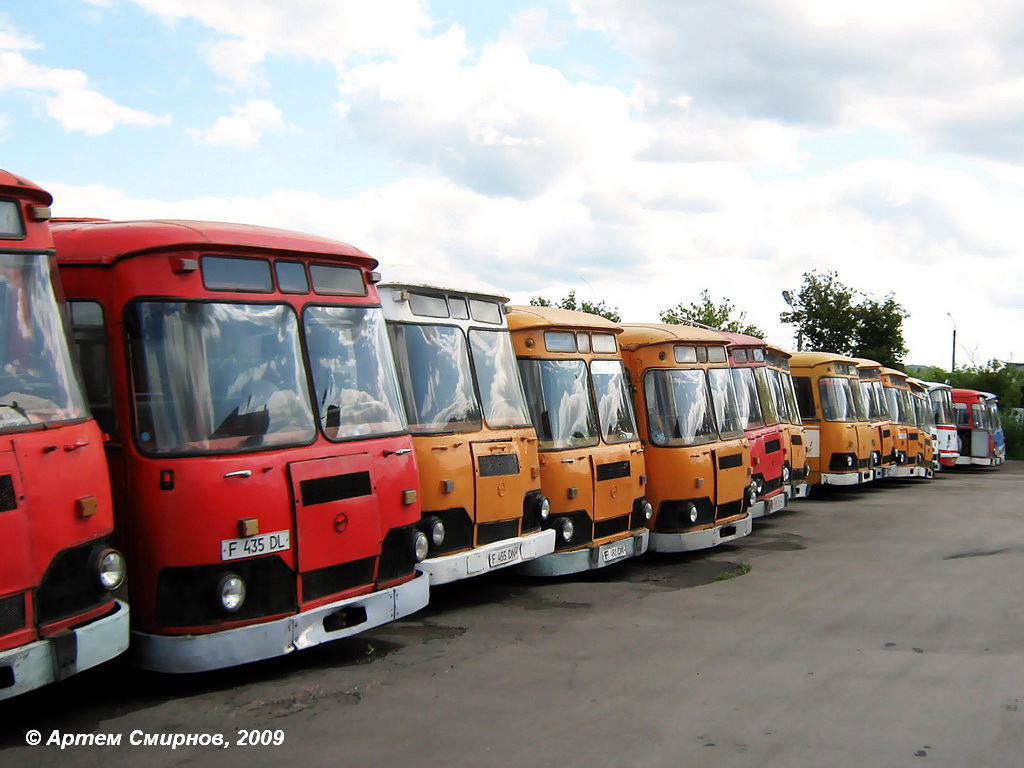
[[264, 479], [763, 424], [58, 613], [976, 429], [947, 447]]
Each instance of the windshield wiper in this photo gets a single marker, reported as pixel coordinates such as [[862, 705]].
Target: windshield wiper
[[13, 405]]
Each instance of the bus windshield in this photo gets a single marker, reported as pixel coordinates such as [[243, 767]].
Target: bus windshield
[[558, 393], [437, 378], [723, 395], [614, 407], [494, 361], [764, 394], [789, 389], [37, 381], [355, 385], [679, 409], [837, 399], [746, 395], [897, 405], [217, 377], [942, 406], [779, 396]]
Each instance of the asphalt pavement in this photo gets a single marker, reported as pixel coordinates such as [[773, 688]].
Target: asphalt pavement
[[879, 626]]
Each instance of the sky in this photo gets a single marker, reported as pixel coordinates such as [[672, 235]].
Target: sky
[[633, 151]]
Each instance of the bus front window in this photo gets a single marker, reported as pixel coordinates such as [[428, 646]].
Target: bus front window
[[558, 392], [837, 403], [217, 377], [679, 409], [354, 380], [614, 411], [723, 395], [37, 381], [437, 378], [746, 394], [494, 362]]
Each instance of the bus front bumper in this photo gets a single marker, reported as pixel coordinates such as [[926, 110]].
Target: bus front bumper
[[705, 539], [589, 558], [489, 557], [798, 490], [769, 506], [847, 478], [231, 647], [35, 664]]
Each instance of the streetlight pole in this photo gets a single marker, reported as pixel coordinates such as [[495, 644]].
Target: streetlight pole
[[953, 364], [788, 297]]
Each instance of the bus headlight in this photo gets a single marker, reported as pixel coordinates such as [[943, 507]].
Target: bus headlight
[[647, 510], [692, 509], [751, 494], [785, 474], [110, 569], [231, 592], [420, 546], [566, 529], [543, 508], [434, 528]]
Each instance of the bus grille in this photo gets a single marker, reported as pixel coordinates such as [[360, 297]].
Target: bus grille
[[488, 533], [674, 516], [604, 528], [321, 490], [70, 585], [12, 613], [337, 578], [730, 461], [497, 464], [773, 446], [8, 501], [186, 596], [613, 470], [733, 508], [796, 440], [397, 558]]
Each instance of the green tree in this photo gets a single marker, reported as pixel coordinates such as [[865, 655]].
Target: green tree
[[706, 312], [832, 317], [570, 302]]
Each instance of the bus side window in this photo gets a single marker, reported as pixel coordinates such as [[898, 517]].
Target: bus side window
[[805, 398], [88, 332]]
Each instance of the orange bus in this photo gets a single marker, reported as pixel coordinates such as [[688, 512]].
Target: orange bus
[[907, 437], [927, 458], [795, 469], [477, 452], [883, 461], [591, 460], [835, 418], [698, 460]]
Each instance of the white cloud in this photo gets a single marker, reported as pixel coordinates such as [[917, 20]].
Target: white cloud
[[330, 30], [531, 29], [66, 93], [244, 128]]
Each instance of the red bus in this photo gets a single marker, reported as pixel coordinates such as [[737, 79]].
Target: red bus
[[763, 425], [977, 429], [264, 480], [58, 614]]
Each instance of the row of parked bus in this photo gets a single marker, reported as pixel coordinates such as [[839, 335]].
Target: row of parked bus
[[288, 450]]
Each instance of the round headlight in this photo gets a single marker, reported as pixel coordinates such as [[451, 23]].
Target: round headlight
[[420, 545], [544, 508], [751, 494], [567, 529], [647, 509], [692, 508], [849, 461], [434, 528], [785, 474], [231, 592], [110, 569]]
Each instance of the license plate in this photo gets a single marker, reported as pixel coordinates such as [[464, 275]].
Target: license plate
[[505, 556], [775, 503], [264, 544], [614, 552]]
